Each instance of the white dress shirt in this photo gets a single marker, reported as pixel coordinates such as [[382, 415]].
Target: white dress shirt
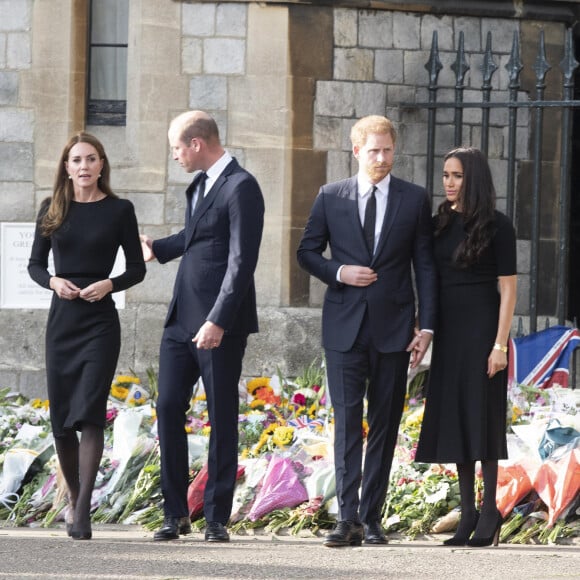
[[212, 174]]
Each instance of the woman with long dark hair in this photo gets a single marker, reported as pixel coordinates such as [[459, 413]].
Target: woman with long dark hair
[[84, 224], [465, 409]]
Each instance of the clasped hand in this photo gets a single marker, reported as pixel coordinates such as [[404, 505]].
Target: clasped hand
[[94, 292], [358, 276]]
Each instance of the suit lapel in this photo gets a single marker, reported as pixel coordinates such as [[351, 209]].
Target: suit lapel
[[393, 204], [207, 201], [353, 214]]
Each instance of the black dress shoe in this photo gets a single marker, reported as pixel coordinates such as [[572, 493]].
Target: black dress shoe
[[216, 532], [346, 533], [172, 528], [374, 534]]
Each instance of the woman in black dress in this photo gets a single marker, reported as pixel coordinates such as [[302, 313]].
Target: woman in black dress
[[84, 224], [465, 409]]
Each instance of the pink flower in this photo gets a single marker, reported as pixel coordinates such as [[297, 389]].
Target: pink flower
[[111, 414], [299, 399]]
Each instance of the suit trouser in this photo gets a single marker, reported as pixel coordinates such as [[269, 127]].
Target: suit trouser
[[180, 366], [348, 373]]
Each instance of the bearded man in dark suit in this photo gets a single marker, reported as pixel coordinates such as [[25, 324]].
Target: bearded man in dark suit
[[212, 311], [378, 228]]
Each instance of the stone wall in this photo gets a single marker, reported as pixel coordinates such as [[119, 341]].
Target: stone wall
[[285, 81]]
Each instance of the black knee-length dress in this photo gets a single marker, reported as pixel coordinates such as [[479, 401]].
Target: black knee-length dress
[[465, 411], [83, 338]]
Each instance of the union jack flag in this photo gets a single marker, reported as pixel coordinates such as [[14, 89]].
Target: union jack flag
[[542, 359], [302, 422]]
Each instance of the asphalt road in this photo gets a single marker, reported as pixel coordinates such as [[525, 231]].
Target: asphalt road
[[128, 553]]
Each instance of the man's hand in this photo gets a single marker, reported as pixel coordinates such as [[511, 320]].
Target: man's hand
[[208, 336], [147, 248], [418, 347], [357, 276]]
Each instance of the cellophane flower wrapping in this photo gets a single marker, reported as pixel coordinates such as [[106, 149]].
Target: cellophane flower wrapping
[[280, 488]]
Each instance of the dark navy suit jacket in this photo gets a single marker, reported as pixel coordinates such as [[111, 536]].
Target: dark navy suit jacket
[[405, 245], [219, 250]]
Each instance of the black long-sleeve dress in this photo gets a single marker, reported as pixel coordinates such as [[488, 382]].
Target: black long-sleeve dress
[[465, 410], [83, 338]]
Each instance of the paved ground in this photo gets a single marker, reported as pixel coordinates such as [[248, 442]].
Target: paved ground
[[127, 552]]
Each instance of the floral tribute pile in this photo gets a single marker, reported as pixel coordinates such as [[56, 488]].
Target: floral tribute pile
[[285, 471]]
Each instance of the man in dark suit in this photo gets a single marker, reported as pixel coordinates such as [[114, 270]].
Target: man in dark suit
[[212, 311], [378, 228]]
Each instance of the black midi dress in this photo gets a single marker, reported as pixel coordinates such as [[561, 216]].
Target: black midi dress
[[465, 411], [83, 338]]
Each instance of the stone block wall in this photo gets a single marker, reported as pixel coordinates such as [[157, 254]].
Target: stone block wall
[[285, 81]]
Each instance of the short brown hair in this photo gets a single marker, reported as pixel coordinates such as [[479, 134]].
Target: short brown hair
[[371, 124]]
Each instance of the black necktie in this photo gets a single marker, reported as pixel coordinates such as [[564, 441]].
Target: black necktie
[[200, 189], [370, 220]]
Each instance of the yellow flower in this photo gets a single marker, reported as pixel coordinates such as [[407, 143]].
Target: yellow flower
[[312, 411], [206, 430], [263, 440], [121, 379], [255, 384], [257, 403], [119, 392], [188, 429], [39, 404], [200, 397], [283, 436], [415, 418], [365, 427], [516, 413]]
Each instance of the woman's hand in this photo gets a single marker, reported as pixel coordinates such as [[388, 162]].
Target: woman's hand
[[64, 289], [497, 361], [418, 346], [96, 291]]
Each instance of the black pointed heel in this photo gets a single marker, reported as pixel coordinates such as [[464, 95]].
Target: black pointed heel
[[462, 539], [482, 542]]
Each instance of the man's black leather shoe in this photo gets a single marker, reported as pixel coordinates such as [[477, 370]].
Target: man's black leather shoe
[[172, 528], [346, 533], [374, 534], [216, 532]]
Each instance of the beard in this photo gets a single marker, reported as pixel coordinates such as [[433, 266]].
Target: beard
[[377, 172]]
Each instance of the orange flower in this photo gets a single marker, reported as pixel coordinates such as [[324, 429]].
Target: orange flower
[[267, 395]]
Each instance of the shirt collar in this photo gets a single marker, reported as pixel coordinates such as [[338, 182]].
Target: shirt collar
[[364, 185], [217, 168]]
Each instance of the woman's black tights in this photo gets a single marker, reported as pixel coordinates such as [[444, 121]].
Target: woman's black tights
[[488, 517], [79, 461]]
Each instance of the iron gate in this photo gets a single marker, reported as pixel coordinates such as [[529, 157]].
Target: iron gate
[[535, 108]]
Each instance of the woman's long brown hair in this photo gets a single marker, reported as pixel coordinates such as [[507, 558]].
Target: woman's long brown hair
[[63, 191], [477, 205]]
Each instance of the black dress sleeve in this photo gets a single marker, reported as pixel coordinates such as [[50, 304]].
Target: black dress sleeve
[[38, 262], [131, 244], [504, 246]]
